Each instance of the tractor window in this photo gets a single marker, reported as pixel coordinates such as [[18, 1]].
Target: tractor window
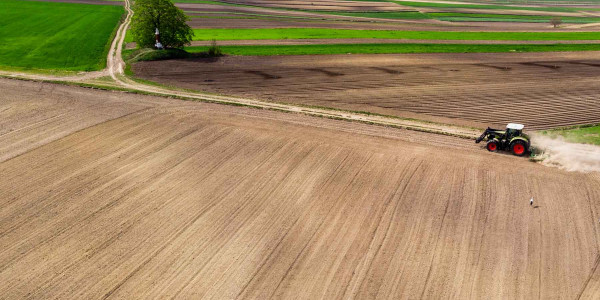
[[511, 132]]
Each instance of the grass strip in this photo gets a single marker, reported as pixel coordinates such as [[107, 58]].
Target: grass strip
[[329, 33], [584, 134], [445, 16], [268, 50]]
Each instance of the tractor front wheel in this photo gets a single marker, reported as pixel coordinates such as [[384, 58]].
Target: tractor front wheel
[[518, 148], [492, 146]]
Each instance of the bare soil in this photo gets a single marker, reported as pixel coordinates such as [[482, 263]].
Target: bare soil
[[321, 20], [332, 5], [29, 119], [192, 8], [509, 12], [194, 200], [541, 90], [316, 22]]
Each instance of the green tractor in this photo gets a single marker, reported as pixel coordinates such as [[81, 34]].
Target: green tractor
[[512, 139]]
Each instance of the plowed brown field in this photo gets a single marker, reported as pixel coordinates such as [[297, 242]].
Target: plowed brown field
[[540, 90], [327, 5], [163, 198], [314, 17]]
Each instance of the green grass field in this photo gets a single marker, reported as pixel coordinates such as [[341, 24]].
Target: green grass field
[[392, 48], [327, 33], [580, 134], [58, 36]]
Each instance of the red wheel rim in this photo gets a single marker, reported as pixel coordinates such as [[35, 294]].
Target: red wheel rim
[[518, 149], [492, 146]]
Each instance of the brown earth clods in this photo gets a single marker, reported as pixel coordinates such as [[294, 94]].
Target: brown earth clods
[[298, 15], [313, 22], [540, 90], [268, 17], [330, 5], [164, 198]]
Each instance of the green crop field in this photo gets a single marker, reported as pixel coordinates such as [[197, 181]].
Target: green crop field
[[579, 134], [59, 36], [392, 48], [327, 33]]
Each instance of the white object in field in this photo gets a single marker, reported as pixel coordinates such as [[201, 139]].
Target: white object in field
[[531, 201], [515, 126], [158, 45]]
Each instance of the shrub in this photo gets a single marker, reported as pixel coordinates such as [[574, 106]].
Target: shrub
[[214, 50]]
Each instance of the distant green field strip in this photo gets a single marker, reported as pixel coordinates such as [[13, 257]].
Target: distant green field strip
[[61, 36], [328, 33], [483, 6], [502, 17], [392, 48], [534, 2], [578, 134], [469, 19]]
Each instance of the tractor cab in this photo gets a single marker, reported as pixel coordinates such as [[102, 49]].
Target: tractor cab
[[512, 139], [513, 130]]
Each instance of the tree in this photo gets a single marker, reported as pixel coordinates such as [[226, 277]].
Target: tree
[[161, 14], [556, 21]]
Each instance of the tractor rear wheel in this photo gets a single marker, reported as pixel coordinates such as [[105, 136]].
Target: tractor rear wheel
[[492, 146], [518, 148]]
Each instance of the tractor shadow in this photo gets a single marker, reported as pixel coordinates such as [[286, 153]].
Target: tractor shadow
[[543, 65], [502, 152], [326, 72], [388, 70], [262, 74]]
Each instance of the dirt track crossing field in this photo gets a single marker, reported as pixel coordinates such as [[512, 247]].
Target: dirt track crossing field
[[172, 198], [541, 90]]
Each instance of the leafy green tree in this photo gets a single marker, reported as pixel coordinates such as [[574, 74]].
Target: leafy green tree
[[556, 21], [161, 14]]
